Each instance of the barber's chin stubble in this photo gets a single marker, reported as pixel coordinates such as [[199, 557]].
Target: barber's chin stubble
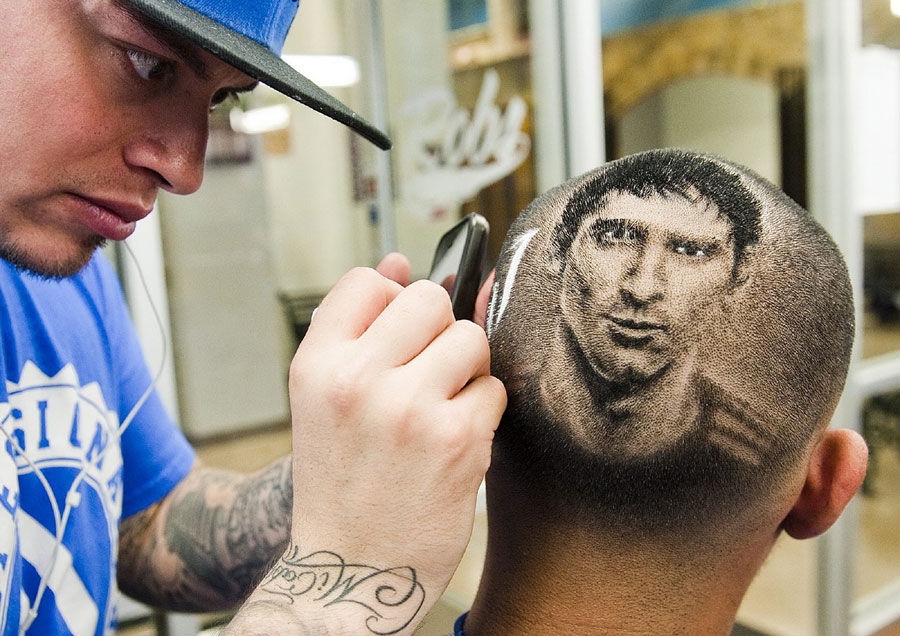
[[15, 254]]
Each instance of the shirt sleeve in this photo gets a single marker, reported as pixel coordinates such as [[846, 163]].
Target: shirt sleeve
[[155, 454]]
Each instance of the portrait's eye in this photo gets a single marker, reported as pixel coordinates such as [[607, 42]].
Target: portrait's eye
[[616, 232], [619, 234], [691, 249], [147, 66]]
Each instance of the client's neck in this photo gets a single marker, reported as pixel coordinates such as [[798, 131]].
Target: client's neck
[[549, 576]]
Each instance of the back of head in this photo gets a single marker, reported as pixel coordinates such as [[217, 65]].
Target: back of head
[[674, 333]]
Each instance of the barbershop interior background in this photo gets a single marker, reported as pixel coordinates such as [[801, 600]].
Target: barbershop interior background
[[491, 102]]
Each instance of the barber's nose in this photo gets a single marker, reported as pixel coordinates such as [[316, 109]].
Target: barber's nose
[[645, 281], [173, 155]]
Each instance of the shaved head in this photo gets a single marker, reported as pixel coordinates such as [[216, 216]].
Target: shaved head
[[673, 332]]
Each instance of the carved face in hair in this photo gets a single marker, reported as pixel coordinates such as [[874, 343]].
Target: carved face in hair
[[671, 330], [643, 276]]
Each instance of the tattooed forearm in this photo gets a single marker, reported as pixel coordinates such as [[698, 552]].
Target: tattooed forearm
[[385, 600], [210, 541], [229, 542], [259, 522]]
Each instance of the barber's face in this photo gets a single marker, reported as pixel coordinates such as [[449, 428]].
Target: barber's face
[[97, 113], [640, 279]]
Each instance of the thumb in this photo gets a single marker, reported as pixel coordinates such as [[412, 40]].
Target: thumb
[[481, 301]]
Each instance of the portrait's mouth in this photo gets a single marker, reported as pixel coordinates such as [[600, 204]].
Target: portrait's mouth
[[633, 334], [630, 324]]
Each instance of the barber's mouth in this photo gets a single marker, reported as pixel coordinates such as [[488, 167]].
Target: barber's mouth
[[114, 220]]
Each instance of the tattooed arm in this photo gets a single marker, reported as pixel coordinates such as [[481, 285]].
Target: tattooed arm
[[320, 593], [209, 541], [393, 411]]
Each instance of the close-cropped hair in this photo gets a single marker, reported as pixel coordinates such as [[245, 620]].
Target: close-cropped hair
[[685, 174], [736, 383]]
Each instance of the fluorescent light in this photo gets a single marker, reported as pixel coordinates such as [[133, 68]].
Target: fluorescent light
[[260, 120], [895, 7], [326, 70]]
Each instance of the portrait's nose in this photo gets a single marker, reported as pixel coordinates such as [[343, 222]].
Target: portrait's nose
[[645, 281], [172, 152]]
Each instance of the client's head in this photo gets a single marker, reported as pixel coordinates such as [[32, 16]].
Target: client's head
[[674, 334]]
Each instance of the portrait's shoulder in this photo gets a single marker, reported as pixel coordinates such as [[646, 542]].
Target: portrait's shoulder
[[733, 423]]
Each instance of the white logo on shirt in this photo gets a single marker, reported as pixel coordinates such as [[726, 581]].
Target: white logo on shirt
[[57, 423]]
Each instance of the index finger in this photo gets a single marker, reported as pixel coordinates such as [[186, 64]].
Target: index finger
[[352, 305], [413, 320], [396, 267]]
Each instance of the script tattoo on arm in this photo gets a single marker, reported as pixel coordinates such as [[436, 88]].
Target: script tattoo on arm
[[212, 538], [389, 599]]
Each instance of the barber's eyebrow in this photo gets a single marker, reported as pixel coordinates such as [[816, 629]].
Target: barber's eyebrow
[[184, 49]]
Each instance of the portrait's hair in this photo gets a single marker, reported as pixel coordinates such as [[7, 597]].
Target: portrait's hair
[[724, 425], [688, 175]]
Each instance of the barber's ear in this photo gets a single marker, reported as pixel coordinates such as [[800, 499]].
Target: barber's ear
[[481, 301], [836, 471]]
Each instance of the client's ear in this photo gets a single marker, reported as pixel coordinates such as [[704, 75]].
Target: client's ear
[[836, 471]]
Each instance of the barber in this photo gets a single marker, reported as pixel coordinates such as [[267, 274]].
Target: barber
[[104, 103]]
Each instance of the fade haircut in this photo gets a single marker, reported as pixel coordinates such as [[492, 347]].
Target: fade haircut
[[766, 372]]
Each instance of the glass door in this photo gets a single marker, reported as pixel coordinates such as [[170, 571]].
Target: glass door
[[855, 152], [873, 36], [727, 77]]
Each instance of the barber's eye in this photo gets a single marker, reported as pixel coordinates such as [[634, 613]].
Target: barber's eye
[[147, 66], [222, 97]]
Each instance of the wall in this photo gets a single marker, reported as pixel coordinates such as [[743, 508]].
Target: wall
[[730, 116], [756, 42], [317, 231], [287, 221], [228, 330], [416, 61]]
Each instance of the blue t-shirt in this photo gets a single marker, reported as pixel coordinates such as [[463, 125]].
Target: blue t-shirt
[[459, 624], [71, 369]]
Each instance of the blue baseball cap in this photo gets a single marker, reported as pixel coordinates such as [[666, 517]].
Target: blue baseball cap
[[249, 35]]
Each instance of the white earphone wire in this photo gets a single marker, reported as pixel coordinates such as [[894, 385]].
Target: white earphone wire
[[71, 501]]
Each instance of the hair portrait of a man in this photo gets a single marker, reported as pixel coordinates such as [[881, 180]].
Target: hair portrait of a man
[[633, 295]]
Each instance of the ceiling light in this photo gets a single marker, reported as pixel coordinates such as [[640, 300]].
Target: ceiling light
[[326, 70], [260, 120]]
